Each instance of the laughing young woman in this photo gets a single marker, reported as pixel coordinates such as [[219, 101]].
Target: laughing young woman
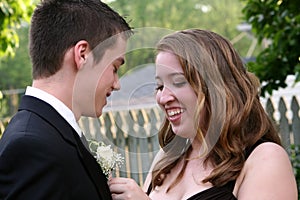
[[217, 140]]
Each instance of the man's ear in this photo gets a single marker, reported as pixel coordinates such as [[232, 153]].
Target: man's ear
[[81, 52]]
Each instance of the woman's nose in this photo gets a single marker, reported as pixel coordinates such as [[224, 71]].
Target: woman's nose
[[164, 96]]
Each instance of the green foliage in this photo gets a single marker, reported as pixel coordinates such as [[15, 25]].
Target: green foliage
[[219, 16], [15, 72], [294, 153], [3, 124], [277, 24], [12, 14]]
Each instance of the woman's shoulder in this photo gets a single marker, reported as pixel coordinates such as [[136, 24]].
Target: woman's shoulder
[[267, 174], [266, 154], [268, 148]]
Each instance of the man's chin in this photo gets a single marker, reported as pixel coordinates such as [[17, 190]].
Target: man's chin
[[99, 111], [95, 113], [99, 114]]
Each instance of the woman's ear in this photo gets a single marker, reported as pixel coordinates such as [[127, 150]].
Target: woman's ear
[[81, 51]]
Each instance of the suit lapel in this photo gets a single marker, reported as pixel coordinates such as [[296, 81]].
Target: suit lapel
[[49, 114], [94, 170]]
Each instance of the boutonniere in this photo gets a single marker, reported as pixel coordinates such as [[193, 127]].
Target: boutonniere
[[108, 159]]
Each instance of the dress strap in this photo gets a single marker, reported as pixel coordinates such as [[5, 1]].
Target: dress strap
[[149, 189], [250, 149]]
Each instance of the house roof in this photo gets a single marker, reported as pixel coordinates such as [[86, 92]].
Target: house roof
[[137, 89]]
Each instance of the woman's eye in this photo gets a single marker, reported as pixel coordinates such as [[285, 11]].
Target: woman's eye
[[179, 84]]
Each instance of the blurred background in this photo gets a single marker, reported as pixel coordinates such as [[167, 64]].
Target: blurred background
[[266, 33]]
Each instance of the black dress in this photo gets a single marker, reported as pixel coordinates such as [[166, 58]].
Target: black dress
[[219, 193], [215, 193]]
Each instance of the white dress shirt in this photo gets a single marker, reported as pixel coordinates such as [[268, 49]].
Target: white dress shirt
[[58, 105]]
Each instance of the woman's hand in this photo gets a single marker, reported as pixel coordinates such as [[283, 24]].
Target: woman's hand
[[126, 189]]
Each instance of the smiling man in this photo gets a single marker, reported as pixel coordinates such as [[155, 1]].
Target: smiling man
[[76, 49]]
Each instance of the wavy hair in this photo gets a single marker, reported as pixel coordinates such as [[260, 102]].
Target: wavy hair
[[234, 118]]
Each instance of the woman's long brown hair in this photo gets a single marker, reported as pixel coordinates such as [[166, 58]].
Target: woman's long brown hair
[[234, 118]]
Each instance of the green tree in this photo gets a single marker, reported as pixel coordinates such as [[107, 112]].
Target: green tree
[[15, 72], [277, 23], [219, 16], [12, 14]]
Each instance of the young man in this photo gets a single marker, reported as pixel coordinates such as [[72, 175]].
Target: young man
[[76, 48]]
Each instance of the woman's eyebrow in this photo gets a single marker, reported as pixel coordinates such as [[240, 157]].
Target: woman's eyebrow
[[172, 74]]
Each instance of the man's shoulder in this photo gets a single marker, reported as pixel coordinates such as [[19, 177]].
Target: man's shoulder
[[26, 123]]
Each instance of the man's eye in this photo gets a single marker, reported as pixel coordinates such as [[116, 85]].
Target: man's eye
[[115, 69], [159, 88]]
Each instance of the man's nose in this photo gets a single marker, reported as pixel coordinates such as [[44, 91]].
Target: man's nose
[[117, 85]]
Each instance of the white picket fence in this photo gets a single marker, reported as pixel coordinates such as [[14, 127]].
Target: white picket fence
[[133, 133]]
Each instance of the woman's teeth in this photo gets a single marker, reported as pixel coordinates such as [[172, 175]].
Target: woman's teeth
[[174, 112]]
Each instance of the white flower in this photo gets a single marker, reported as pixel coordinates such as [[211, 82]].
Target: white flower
[[106, 157]]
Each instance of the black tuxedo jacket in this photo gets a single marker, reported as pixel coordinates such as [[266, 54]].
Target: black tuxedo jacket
[[42, 157]]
